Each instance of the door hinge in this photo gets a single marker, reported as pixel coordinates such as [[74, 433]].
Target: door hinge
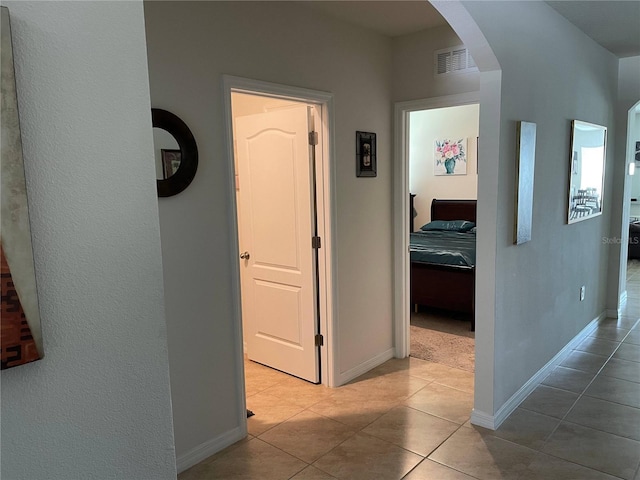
[[313, 138], [319, 340], [315, 242]]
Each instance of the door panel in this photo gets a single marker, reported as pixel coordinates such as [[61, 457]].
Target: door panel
[[272, 170], [273, 300], [278, 286]]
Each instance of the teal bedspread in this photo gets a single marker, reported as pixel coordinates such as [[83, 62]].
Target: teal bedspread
[[443, 248]]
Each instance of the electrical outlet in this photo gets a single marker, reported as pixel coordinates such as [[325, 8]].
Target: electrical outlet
[[582, 293]]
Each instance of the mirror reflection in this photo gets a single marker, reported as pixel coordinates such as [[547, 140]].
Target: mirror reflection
[[586, 182], [167, 153], [176, 153]]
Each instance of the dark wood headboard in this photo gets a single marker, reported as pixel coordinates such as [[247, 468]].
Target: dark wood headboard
[[453, 210]]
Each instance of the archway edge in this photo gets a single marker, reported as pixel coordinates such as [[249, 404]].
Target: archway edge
[[467, 29], [456, 14]]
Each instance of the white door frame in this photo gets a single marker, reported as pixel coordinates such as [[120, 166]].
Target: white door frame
[[620, 293], [402, 110], [323, 102]]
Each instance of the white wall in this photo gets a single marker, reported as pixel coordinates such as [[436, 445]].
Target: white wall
[[190, 46], [425, 127], [413, 72], [98, 405], [537, 284]]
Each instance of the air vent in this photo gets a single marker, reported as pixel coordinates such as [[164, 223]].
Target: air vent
[[452, 61]]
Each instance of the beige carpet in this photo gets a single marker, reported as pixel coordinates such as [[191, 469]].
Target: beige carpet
[[443, 338]]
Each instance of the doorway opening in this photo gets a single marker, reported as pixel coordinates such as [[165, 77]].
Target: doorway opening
[[631, 196], [279, 166], [443, 177], [403, 114]]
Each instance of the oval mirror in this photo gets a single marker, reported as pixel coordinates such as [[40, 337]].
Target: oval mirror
[[176, 153]]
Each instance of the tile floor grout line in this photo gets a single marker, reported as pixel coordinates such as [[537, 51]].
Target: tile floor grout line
[[438, 463], [436, 416], [602, 431], [544, 443]]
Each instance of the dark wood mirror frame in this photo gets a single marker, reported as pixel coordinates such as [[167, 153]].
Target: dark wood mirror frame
[[181, 179]]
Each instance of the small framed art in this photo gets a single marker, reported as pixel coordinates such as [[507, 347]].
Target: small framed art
[[170, 162], [366, 162]]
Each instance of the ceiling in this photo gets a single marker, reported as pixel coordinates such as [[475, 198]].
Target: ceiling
[[390, 18], [613, 24]]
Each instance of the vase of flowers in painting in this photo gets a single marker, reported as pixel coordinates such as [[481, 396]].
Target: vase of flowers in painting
[[448, 154], [449, 165]]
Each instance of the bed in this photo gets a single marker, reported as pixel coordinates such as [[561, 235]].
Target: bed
[[443, 261]]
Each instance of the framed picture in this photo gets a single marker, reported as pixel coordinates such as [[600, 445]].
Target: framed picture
[[525, 166], [587, 166], [21, 340], [450, 157], [637, 152], [366, 163], [170, 162]]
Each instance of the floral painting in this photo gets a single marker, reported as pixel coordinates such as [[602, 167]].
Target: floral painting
[[450, 157]]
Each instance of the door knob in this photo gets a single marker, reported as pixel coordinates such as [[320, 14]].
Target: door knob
[[245, 256]]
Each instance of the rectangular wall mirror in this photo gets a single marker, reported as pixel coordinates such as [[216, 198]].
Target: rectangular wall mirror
[[587, 167]]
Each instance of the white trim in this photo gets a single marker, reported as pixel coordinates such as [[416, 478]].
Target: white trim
[[208, 448], [401, 208], [364, 367], [326, 204], [235, 267], [492, 422], [623, 299], [616, 312]]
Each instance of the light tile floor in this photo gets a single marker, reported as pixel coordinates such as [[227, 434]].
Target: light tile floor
[[409, 419]]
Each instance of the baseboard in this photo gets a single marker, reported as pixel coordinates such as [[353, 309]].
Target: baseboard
[[615, 313], [364, 367], [492, 422], [482, 419], [208, 448]]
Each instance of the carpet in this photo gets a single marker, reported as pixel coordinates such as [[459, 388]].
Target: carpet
[[441, 337]]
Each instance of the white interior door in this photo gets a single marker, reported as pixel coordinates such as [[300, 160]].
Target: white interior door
[[277, 224]]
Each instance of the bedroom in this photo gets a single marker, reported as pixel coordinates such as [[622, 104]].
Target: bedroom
[[442, 334]]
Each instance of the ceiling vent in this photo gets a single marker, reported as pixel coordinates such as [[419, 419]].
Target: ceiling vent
[[453, 60]]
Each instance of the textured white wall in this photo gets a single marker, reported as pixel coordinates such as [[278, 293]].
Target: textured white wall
[[425, 127], [413, 77], [98, 405], [537, 303], [190, 46]]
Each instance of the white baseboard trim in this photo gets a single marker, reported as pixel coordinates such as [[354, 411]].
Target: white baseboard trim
[[615, 313], [208, 448], [482, 419], [492, 422], [364, 367]]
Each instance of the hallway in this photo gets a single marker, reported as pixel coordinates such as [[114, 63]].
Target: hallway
[[409, 419]]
